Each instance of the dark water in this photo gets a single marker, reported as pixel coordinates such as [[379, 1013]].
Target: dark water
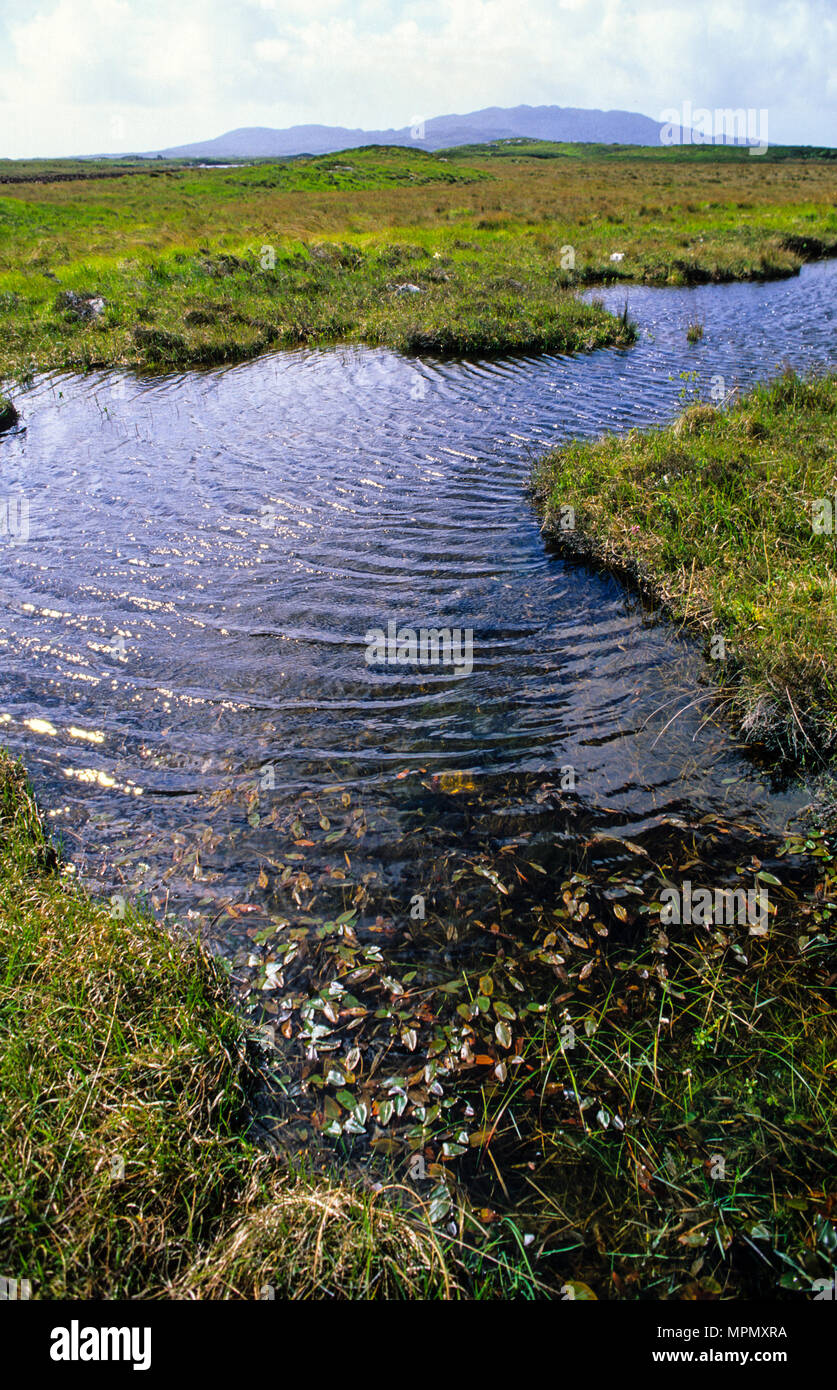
[[208, 550]]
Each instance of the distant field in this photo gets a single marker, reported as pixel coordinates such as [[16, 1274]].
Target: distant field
[[374, 166], [204, 265], [519, 147], [58, 170]]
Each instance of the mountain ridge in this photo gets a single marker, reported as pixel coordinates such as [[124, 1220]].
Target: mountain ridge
[[563, 123]]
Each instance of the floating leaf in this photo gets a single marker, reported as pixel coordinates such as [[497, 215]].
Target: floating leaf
[[439, 1205], [492, 878]]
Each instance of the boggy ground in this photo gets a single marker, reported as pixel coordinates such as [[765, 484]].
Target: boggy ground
[[124, 1081], [591, 1102], [536, 1088], [190, 266], [521, 1084]]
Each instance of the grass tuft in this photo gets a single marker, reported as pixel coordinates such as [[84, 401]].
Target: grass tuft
[[727, 520], [124, 1084]]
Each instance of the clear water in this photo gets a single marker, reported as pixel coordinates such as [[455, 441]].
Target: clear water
[[207, 551]]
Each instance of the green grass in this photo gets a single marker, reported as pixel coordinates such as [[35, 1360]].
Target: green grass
[[124, 1085], [202, 303], [217, 307], [497, 246], [715, 518], [523, 147]]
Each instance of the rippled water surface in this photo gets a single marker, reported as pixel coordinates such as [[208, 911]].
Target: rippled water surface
[[183, 634]]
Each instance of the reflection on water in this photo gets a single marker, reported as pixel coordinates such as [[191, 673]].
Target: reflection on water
[[183, 636]]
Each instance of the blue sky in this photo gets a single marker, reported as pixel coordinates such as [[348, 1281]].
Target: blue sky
[[81, 76]]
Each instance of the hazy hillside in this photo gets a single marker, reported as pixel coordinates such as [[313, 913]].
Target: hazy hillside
[[475, 127]]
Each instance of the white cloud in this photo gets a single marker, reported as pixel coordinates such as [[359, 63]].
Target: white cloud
[[271, 50], [78, 76]]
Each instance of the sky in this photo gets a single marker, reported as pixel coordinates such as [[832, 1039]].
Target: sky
[[93, 76]]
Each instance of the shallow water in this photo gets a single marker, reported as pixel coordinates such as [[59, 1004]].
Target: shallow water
[[207, 551]]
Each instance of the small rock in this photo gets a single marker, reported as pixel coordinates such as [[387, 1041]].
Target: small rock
[[83, 308], [8, 414]]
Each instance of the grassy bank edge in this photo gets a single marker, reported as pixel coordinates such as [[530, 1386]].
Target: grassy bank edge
[[124, 1082], [491, 315], [714, 520]]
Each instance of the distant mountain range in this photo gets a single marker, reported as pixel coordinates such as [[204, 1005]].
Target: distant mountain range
[[567, 123]]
